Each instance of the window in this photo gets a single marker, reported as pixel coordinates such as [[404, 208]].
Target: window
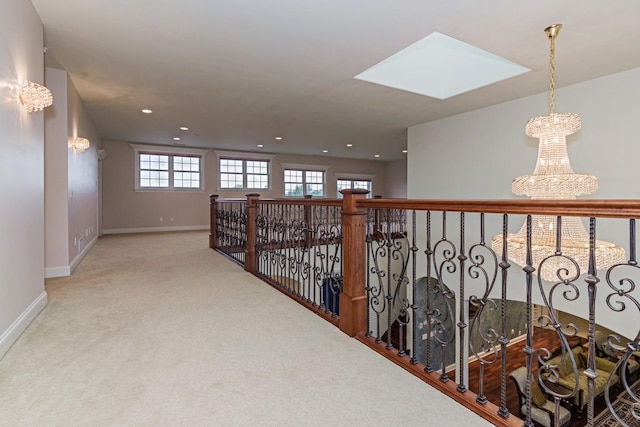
[[298, 183], [154, 171], [186, 172], [168, 168], [354, 183], [241, 174]]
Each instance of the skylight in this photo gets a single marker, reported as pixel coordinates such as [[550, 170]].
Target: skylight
[[440, 66]]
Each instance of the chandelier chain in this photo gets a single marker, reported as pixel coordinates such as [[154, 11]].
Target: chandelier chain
[[552, 75]]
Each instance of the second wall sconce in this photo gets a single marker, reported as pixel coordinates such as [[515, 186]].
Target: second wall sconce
[[78, 144]]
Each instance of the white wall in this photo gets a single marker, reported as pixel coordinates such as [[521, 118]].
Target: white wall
[[22, 294], [71, 178], [477, 154]]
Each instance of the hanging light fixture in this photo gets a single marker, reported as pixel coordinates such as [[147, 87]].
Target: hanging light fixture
[[78, 144], [554, 179], [35, 97]]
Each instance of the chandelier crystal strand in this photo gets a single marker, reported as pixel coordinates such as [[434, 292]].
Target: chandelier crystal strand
[[554, 179]]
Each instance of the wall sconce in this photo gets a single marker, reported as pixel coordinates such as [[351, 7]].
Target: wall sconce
[[35, 97], [78, 144]]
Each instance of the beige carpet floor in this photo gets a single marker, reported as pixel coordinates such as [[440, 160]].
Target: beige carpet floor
[[159, 330]]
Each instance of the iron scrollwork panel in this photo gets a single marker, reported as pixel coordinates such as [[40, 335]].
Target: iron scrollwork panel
[[387, 286]]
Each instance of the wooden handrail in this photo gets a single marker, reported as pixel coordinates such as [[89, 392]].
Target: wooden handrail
[[597, 208], [303, 202]]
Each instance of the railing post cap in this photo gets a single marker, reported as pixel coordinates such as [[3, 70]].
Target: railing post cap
[[354, 191], [252, 195], [213, 196]]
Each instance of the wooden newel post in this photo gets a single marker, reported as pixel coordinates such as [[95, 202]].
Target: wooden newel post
[[213, 219], [353, 299], [250, 251]]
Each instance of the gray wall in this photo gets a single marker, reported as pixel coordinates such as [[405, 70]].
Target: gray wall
[[22, 293], [396, 173], [71, 178]]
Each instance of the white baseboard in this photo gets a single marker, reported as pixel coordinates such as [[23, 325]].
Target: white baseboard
[[50, 272], [82, 254], [155, 229], [66, 270], [11, 335]]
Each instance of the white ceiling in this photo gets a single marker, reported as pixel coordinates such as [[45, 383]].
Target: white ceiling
[[240, 72]]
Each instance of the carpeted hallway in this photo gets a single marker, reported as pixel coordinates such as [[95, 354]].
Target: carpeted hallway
[[159, 330]]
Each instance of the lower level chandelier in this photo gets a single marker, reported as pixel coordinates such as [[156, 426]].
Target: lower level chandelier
[[554, 179]]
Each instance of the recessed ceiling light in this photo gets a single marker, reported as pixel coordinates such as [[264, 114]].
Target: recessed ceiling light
[[349, 145], [176, 138], [184, 128], [278, 138], [376, 155], [147, 111], [325, 151], [405, 151], [259, 145]]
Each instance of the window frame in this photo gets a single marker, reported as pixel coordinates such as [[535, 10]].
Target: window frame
[[355, 177], [170, 152], [244, 158], [304, 168]]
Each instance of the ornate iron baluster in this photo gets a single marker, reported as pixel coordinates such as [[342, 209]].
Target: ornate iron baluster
[[377, 298], [591, 280], [488, 353], [617, 302], [429, 310], [448, 252], [368, 286], [504, 341], [547, 370], [462, 314], [403, 316], [414, 306]]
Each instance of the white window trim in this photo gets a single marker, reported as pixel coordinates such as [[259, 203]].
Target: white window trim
[[243, 155], [307, 168], [346, 176], [171, 151], [355, 176]]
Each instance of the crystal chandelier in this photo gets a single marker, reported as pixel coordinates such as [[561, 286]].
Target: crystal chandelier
[[553, 179], [35, 97], [78, 144]]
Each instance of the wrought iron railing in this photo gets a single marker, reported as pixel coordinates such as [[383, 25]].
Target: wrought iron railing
[[419, 282], [299, 249], [229, 227], [451, 298]]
